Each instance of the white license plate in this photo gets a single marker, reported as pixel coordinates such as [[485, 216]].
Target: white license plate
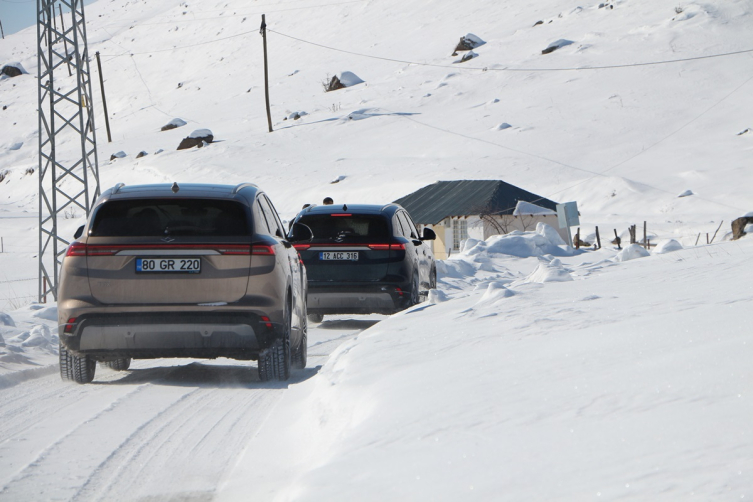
[[184, 265], [339, 255]]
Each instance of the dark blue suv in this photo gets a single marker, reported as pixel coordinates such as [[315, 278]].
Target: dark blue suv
[[364, 259]]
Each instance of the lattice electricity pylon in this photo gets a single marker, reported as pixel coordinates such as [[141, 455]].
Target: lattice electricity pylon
[[68, 166]]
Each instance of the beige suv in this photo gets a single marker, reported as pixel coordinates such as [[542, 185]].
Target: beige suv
[[198, 271]]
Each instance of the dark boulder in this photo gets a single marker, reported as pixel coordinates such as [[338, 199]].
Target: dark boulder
[[11, 71], [738, 226], [197, 138], [141, 154]]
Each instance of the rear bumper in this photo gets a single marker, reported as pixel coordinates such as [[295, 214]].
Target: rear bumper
[[356, 299], [154, 335]]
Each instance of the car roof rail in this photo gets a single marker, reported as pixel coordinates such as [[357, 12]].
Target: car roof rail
[[241, 186], [117, 188]]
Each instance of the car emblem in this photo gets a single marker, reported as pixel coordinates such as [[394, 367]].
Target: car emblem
[[339, 238], [167, 239]]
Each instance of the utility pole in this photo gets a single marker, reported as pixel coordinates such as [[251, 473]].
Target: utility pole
[[104, 101], [68, 165], [263, 32]]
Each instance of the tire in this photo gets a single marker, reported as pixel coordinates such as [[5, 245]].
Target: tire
[[274, 362], [433, 279], [79, 369], [317, 318], [119, 364], [414, 297], [300, 353]]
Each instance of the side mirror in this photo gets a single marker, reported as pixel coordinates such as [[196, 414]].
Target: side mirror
[[429, 235], [300, 233], [79, 232]]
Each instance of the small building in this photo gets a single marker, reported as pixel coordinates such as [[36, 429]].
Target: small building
[[457, 210]]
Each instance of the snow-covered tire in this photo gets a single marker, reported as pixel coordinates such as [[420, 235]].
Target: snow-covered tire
[[317, 318], [79, 369], [275, 361], [300, 353], [433, 279], [119, 364]]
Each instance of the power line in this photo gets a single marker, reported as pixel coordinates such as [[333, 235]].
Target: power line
[[113, 56], [486, 68]]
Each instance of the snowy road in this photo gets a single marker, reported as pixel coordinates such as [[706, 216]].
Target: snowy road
[[166, 429]]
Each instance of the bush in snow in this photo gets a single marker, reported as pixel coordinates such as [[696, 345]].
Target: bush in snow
[[467, 43], [341, 80]]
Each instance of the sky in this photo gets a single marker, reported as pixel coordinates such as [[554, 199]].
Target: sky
[[16, 15]]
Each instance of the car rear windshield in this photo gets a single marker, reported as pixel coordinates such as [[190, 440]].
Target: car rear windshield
[[175, 217], [347, 228]]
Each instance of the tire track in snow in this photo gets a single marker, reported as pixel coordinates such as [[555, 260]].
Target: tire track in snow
[[197, 439]]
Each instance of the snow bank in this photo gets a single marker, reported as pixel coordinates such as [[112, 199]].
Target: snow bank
[[667, 246], [631, 252], [548, 272], [545, 240], [6, 320]]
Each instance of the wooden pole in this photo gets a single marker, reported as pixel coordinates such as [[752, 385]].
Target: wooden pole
[[617, 238], [707, 237], [104, 101], [577, 239], [1, 30], [65, 42], [645, 239], [263, 32], [698, 238], [598, 239], [717, 229]]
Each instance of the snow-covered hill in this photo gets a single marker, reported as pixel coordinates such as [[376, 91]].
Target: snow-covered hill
[[629, 381]]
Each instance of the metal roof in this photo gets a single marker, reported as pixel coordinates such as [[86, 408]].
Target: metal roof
[[444, 199]]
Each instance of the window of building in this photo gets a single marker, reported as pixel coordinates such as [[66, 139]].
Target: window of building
[[459, 232]]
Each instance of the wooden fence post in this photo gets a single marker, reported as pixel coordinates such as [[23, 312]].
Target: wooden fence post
[[598, 239]]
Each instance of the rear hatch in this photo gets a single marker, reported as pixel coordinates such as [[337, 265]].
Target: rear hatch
[[347, 247], [169, 251]]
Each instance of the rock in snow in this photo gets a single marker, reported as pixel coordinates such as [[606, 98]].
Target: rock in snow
[[556, 45], [173, 124]]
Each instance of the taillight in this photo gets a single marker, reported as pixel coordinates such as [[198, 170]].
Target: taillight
[[102, 250], [385, 247], [341, 214], [262, 250], [266, 322], [301, 247], [234, 250], [76, 249], [69, 325]]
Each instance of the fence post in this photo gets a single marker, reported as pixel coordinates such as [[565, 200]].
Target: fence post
[[598, 239], [717, 229], [577, 239], [645, 238]]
